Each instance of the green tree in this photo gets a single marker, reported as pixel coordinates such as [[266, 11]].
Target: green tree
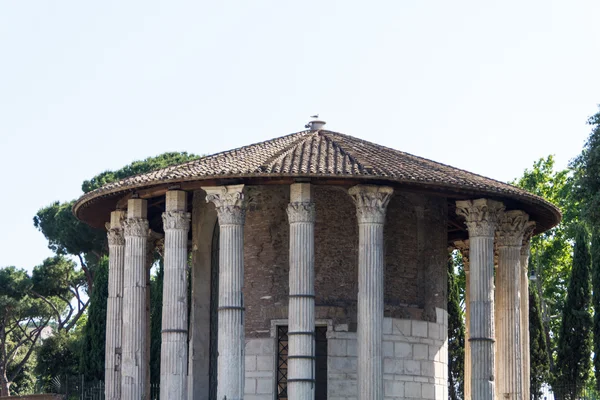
[[93, 344], [551, 252], [137, 167], [456, 337], [587, 190], [575, 340], [57, 357], [66, 235], [59, 283], [22, 319], [587, 174], [595, 252], [538, 353]]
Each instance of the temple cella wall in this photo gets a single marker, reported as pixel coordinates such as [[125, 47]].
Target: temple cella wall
[[415, 361]]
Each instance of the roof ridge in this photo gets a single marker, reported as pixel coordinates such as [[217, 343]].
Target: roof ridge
[[303, 136], [362, 165]]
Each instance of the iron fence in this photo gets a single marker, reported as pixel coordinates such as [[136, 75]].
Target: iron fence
[[77, 388], [566, 392]]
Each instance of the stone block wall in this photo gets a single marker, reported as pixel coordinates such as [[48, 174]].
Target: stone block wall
[[260, 369], [415, 363]]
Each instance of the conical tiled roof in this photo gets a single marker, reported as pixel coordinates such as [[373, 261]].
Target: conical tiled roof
[[324, 154]]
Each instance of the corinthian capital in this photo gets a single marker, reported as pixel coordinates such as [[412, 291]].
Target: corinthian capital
[[371, 202], [527, 235], [115, 228], [136, 227], [301, 212], [481, 216], [512, 227], [176, 220], [115, 237], [229, 202]]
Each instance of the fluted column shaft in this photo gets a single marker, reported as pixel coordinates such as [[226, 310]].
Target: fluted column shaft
[[481, 219], [301, 317], [135, 364], [114, 307], [229, 202], [174, 345], [525, 310], [371, 203], [508, 324], [524, 327], [508, 331]]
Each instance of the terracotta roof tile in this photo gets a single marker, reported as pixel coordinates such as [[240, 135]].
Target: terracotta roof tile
[[314, 154]]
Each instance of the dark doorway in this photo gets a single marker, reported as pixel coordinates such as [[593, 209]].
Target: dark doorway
[[214, 322], [320, 362]]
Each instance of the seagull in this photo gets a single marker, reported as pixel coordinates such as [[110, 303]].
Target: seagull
[[315, 116]]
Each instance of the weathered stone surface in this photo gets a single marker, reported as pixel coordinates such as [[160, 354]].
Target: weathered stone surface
[[508, 284], [231, 208], [114, 306], [371, 203], [204, 221], [401, 367], [266, 276], [135, 365], [260, 369], [174, 351], [525, 307], [482, 217], [407, 293], [301, 319]]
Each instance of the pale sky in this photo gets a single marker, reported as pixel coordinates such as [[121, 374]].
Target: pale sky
[[88, 86]]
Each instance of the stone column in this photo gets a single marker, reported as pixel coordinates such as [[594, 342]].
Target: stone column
[[482, 217], [508, 332], [301, 319], [174, 350], [529, 227], [114, 306], [135, 365], [463, 247], [230, 206], [371, 203]]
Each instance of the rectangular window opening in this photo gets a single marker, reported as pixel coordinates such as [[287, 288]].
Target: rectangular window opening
[[320, 362]]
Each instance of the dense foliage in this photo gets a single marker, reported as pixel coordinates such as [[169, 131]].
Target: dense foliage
[[60, 297], [551, 252], [456, 337], [538, 352], [94, 333], [575, 339], [595, 253], [67, 236], [587, 192], [58, 356], [22, 320], [137, 167]]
